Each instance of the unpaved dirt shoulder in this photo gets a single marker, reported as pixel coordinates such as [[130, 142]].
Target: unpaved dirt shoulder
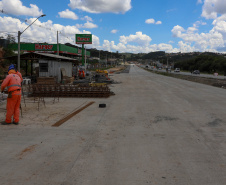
[[44, 113], [203, 80]]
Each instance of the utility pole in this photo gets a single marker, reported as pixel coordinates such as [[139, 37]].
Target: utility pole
[[58, 50], [167, 62], [18, 58], [99, 59], [19, 34], [111, 59], [82, 54], [85, 61]]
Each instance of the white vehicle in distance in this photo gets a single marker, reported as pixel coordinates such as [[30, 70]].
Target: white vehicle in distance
[[177, 70], [168, 69]]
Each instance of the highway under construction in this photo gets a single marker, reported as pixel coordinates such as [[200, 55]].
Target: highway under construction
[[154, 130]]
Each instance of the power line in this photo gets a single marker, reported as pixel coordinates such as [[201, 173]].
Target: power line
[[23, 20], [34, 40], [13, 16], [37, 25], [29, 21], [7, 32]]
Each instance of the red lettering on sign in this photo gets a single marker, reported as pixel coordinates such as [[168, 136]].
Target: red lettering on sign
[[37, 46], [83, 39], [43, 47]]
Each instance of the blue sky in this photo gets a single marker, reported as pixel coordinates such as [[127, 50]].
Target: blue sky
[[136, 26]]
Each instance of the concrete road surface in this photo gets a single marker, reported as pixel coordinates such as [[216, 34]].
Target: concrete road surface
[[156, 130]]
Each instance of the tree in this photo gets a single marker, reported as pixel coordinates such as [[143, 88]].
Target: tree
[[7, 51], [11, 39]]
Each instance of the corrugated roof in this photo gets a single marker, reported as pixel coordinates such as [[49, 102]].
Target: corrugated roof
[[48, 55], [56, 56]]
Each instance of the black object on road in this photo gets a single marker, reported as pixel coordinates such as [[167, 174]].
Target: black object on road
[[102, 105]]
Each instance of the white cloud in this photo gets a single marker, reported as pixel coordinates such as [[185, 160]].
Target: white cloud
[[185, 47], [159, 22], [42, 31], [177, 31], [212, 8], [204, 41], [114, 31], [68, 14], [100, 6], [199, 2], [191, 30], [95, 42], [88, 25], [197, 23], [16, 7], [152, 21], [165, 47], [110, 45], [220, 26], [47, 32], [125, 46], [139, 38], [87, 18]]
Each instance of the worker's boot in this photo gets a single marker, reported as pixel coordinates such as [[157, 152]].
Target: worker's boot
[[4, 123], [15, 123]]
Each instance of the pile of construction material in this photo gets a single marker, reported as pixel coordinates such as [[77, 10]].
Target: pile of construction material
[[100, 78], [95, 78], [95, 85], [86, 90], [46, 80], [81, 81]]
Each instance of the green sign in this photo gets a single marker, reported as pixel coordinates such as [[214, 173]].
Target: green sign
[[47, 48], [83, 38]]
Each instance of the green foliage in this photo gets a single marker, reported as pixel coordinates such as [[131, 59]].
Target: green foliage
[[205, 63], [6, 53], [154, 55], [94, 61], [11, 39]]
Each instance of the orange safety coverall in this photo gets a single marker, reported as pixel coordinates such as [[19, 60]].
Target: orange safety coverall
[[81, 73], [20, 75], [13, 83]]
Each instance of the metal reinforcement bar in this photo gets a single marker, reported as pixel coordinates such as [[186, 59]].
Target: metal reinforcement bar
[[41, 90], [60, 122]]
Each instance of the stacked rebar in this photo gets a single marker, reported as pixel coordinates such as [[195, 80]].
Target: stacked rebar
[[43, 90]]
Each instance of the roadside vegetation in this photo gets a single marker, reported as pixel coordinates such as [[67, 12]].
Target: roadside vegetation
[[5, 52], [204, 63]]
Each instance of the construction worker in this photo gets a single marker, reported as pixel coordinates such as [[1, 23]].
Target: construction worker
[[81, 73], [13, 83]]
